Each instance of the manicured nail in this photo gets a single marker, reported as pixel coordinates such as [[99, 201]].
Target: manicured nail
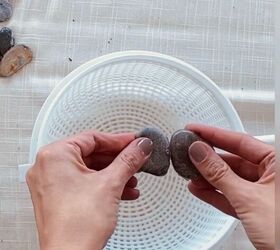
[[146, 145], [198, 151]]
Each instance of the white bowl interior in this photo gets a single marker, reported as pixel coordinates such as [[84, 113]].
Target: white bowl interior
[[127, 95]]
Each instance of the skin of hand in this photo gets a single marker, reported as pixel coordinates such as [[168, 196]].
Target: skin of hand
[[76, 185], [240, 183]]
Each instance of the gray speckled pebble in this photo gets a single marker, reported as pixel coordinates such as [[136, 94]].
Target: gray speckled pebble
[[180, 142], [159, 161], [6, 41], [6, 10]]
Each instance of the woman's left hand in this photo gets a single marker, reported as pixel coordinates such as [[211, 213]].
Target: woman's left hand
[[76, 185]]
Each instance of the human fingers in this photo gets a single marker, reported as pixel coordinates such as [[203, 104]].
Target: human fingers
[[129, 161], [237, 143], [94, 141], [132, 182], [99, 161], [215, 170], [130, 194], [213, 198], [243, 168], [201, 183]]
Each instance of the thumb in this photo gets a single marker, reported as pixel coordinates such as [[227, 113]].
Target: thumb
[[130, 160], [214, 169]]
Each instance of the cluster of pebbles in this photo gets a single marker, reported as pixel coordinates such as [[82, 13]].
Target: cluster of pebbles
[[175, 150], [12, 57]]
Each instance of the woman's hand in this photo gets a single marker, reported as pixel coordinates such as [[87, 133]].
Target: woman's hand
[[239, 183], [76, 185]]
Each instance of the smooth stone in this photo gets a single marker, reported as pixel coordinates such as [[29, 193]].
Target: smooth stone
[[6, 40], [159, 161], [180, 142], [6, 10], [14, 59]]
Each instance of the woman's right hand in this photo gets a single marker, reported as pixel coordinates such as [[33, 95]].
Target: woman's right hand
[[240, 183]]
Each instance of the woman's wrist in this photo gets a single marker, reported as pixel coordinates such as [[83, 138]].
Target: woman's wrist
[[75, 242], [81, 245]]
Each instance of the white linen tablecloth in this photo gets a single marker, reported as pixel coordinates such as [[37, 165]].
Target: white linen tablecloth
[[232, 41]]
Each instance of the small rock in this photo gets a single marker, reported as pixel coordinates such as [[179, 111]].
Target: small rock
[[15, 59], [6, 40], [6, 10], [159, 161], [180, 142]]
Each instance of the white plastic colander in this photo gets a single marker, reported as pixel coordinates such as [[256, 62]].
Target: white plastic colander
[[127, 91]]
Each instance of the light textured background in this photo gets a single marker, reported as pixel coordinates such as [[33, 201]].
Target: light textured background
[[230, 40]]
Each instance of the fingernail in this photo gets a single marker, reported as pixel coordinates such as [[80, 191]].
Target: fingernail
[[146, 145], [198, 152]]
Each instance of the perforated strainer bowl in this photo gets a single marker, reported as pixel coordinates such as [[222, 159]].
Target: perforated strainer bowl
[[127, 91]]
